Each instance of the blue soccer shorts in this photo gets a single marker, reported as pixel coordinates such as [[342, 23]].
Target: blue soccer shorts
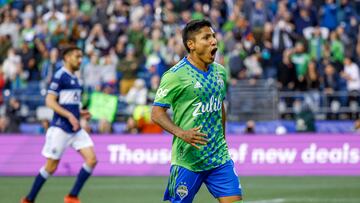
[[184, 184]]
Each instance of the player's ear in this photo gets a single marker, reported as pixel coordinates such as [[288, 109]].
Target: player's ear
[[190, 43]]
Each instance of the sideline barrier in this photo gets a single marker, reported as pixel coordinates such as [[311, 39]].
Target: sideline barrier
[[149, 155]]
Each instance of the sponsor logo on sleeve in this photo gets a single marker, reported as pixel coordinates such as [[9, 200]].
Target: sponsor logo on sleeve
[[54, 86], [162, 92]]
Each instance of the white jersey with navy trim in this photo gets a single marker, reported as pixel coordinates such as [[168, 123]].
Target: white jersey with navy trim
[[67, 88]]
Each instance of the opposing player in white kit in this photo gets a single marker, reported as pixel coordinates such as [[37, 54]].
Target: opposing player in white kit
[[64, 97]]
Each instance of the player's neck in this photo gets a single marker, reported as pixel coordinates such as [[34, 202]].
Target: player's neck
[[195, 61], [67, 67]]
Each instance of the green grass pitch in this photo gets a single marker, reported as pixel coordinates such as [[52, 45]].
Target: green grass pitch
[[150, 190]]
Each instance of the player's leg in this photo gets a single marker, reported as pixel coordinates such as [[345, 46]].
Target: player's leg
[[223, 183], [183, 184], [83, 143], [55, 144]]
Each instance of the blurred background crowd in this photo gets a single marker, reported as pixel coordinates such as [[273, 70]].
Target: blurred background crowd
[[305, 51]]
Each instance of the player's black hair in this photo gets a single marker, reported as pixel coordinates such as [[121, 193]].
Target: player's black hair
[[68, 49], [191, 28]]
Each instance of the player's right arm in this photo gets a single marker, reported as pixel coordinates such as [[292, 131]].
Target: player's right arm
[[51, 102], [192, 136], [165, 96]]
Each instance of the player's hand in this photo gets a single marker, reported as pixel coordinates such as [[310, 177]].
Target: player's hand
[[74, 122], [85, 114], [194, 137]]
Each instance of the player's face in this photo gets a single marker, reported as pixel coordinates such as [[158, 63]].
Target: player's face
[[205, 45], [74, 59]]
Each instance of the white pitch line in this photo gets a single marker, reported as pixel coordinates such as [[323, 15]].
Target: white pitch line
[[267, 201]]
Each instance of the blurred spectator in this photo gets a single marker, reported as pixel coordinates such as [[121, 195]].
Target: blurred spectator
[[253, 66], [302, 20], [312, 79], [10, 29], [2, 85], [267, 53], [282, 36], [329, 15], [337, 50], [331, 85], [120, 47], [250, 127], [113, 30], [305, 119], [148, 17], [287, 73], [108, 68], [154, 85], [144, 124], [13, 114], [236, 62], [104, 126], [28, 12], [29, 67], [351, 74], [287, 78], [131, 126], [198, 13], [345, 40], [137, 95], [54, 19], [137, 38], [28, 33], [173, 51], [155, 40], [128, 67], [97, 38], [352, 29], [92, 73], [259, 15], [357, 126], [5, 45], [4, 125], [345, 12], [301, 60], [316, 37], [50, 65], [12, 70]]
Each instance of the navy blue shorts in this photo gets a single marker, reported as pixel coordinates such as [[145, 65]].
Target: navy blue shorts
[[184, 184]]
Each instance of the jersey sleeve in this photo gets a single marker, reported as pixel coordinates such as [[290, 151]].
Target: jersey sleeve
[[55, 85], [223, 73], [223, 78], [168, 90]]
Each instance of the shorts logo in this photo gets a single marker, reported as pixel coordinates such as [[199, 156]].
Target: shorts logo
[[54, 151], [162, 92], [182, 191]]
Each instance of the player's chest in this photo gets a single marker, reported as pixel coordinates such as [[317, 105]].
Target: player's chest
[[204, 87], [70, 83], [70, 92]]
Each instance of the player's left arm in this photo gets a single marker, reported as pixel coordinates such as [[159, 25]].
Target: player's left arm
[[223, 117], [225, 77]]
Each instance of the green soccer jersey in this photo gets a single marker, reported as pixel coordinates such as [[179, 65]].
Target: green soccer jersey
[[196, 100]]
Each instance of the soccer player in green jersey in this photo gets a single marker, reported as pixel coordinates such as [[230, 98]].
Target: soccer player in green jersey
[[195, 89]]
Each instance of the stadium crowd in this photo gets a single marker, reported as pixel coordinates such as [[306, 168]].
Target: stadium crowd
[[308, 46]]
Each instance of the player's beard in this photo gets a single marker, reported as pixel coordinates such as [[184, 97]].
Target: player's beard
[[75, 66]]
